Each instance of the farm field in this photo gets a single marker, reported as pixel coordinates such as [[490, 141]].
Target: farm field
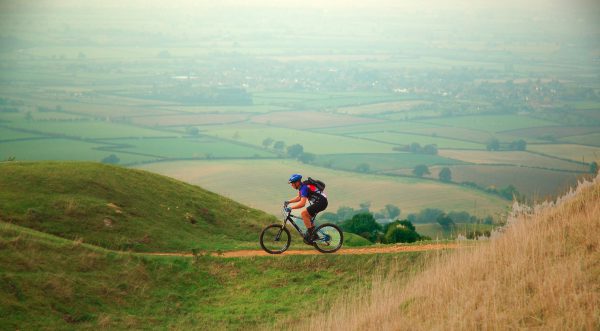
[[533, 182], [63, 149], [491, 123], [406, 139], [309, 119], [588, 139], [190, 148], [516, 158], [574, 152], [88, 129], [263, 184], [318, 143], [380, 162], [385, 107]]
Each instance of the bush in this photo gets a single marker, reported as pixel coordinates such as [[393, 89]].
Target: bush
[[401, 231], [362, 224]]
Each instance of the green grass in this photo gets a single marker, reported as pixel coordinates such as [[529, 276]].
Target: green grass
[[121, 208], [48, 282]]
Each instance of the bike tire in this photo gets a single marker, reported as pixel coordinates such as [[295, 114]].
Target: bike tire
[[331, 244], [269, 241]]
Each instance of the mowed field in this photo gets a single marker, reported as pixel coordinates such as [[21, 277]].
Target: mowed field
[[533, 182], [263, 184], [516, 158]]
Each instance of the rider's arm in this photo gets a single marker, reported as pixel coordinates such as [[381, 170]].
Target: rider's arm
[[296, 199], [300, 204]]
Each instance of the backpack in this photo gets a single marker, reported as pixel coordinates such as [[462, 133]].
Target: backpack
[[317, 183]]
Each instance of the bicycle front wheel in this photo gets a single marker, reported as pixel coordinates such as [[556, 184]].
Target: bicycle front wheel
[[275, 239], [330, 238]]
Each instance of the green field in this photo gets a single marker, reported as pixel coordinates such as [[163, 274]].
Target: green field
[[263, 184]]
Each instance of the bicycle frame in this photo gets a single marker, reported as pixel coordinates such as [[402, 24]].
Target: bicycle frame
[[288, 217]]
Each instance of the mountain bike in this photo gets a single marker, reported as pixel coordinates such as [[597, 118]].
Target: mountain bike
[[276, 238]]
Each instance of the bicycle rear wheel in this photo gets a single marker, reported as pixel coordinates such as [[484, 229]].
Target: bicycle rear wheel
[[274, 239], [330, 238]]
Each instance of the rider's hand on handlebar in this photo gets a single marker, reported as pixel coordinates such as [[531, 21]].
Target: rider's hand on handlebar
[[288, 209], [286, 203]]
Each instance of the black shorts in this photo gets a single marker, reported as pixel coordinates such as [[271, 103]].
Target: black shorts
[[317, 206]]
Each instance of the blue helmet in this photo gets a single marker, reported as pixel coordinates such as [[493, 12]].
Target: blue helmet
[[294, 178]]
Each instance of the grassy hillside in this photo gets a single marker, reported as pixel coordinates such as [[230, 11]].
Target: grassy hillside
[[120, 208], [51, 283], [542, 273]]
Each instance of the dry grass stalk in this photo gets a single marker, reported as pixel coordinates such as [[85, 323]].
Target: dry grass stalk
[[543, 272]]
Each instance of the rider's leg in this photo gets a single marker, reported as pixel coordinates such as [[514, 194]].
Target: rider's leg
[[306, 218], [309, 226]]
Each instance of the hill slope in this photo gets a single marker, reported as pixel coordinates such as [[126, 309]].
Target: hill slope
[[51, 283], [121, 208], [542, 273]]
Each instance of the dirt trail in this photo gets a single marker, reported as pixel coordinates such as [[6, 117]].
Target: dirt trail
[[366, 250]]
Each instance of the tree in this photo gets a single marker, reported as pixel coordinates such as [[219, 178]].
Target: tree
[[493, 144], [364, 207], [415, 148], [421, 170], [391, 211], [594, 167], [295, 150], [445, 175], [279, 145], [430, 149], [427, 215], [446, 222], [363, 224], [192, 130], [268, 142], [345, 213], [363, 167], [111, 159], [518, 145], [307, 157]]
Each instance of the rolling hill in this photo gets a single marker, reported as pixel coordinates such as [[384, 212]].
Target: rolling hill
[[123, 209]]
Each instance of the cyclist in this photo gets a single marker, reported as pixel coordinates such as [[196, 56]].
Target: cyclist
[[317, 203]]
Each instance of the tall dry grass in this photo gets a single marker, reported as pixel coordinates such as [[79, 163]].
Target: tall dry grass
[[542, 272]]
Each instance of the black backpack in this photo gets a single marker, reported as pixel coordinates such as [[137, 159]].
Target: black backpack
[[317, 183]]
